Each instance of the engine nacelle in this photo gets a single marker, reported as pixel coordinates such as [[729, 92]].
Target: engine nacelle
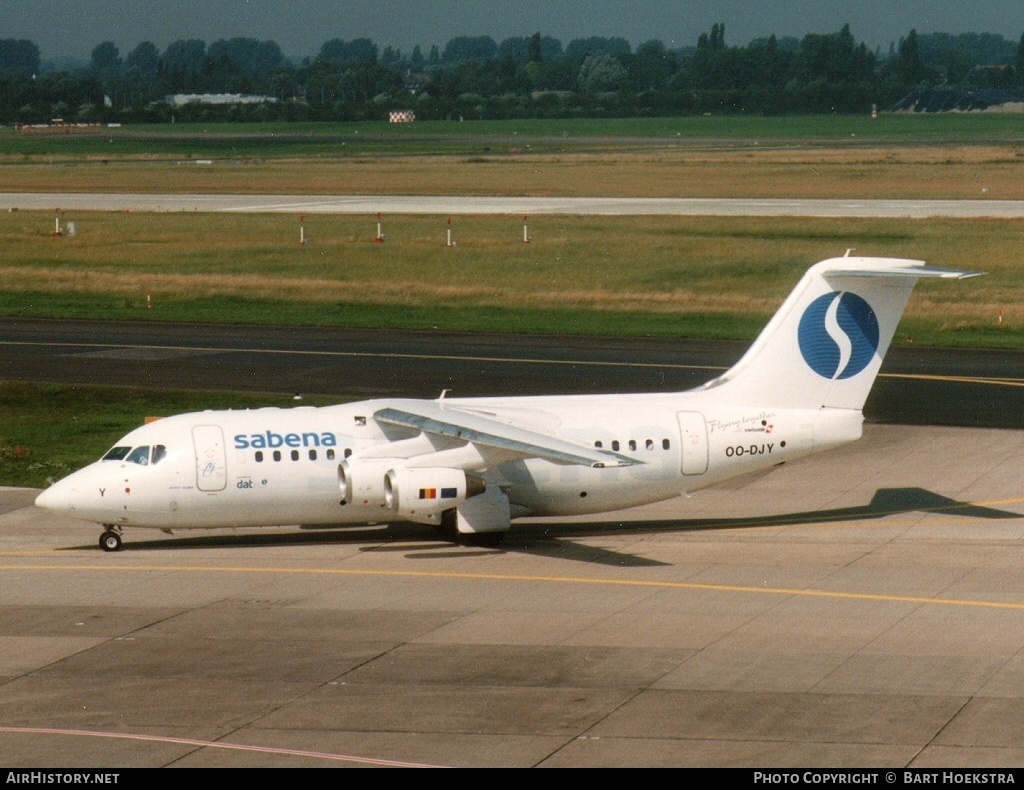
[[423, 494], [361, 481]]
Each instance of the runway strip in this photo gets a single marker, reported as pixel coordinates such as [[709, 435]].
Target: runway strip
[[442, 204]]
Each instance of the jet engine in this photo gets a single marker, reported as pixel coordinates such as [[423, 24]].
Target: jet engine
[[361, 481], [423, 494]]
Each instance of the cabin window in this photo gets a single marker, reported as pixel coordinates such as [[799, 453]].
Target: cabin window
[[632, 444], [665, 444], [277, 455], [295, 455], [615, 445], [312, 455], [117, 453], [348, 452], [259, 456], [360, 421], [598, 444], [650, 444], [330, 454]]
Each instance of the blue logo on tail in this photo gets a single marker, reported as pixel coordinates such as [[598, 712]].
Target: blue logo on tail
[[838, 335]]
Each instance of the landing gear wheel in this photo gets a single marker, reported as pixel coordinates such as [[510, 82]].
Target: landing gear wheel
[[485, 540], [110, 541], [447, 529]]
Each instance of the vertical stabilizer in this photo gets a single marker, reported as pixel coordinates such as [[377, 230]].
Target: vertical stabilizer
[[824, 346]]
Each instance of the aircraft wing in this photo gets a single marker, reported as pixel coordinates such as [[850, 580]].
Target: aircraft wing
[[433, 417]]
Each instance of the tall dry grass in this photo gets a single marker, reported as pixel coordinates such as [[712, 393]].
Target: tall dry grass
[[637, 265], [775, 169]]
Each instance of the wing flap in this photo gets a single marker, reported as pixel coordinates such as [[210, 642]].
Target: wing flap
[[435, 418]]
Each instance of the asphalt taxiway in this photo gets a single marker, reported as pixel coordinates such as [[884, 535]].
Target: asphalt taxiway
[[931, 386]]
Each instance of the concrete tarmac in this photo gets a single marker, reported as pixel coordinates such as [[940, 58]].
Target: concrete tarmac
[[861, 608]]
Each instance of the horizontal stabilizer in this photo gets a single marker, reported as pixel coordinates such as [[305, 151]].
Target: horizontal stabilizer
[[903, 271], [435, 418]]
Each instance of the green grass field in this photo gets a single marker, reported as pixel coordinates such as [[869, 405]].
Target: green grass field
[[434, 137], [698, 277], [970, 156], [668, 276]]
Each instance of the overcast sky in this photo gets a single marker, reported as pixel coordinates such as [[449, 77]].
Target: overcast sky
[[74, 27]]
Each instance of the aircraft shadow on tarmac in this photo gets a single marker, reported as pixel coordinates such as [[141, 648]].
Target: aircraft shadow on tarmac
[[885, 502], [553, 539]]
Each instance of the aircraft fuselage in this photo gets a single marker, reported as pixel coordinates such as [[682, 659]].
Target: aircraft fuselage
[[274, 466]]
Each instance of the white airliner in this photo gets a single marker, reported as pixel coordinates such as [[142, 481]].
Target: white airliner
[[469, 466]]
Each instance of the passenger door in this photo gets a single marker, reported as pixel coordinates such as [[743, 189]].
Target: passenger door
[[693, 434], [211, 459]]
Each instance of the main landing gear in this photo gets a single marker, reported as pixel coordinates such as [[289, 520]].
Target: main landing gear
[[448, 530], [110, 540]]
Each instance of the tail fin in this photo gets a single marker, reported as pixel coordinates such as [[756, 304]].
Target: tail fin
[[824, 346]]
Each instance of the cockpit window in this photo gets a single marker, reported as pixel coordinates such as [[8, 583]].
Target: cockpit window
[[140, 455]]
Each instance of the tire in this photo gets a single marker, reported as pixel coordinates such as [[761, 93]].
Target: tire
[[488, 540], [110, 541], [447, 529]]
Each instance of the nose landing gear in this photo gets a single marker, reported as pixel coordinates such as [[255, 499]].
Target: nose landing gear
[[110, 540]]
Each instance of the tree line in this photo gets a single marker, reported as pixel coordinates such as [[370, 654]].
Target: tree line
[[520, 77]]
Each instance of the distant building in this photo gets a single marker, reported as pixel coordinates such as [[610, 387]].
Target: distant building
[[180, 99], [402, 116], [958, 100]]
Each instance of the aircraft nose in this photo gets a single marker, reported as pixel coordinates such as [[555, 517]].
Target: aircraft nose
[[56, 498]]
